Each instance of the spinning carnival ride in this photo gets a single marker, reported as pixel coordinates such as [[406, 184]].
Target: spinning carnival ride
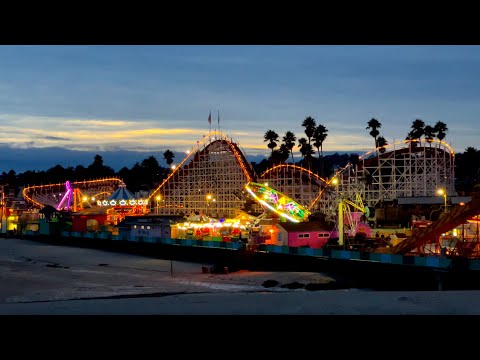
[[277, 202]]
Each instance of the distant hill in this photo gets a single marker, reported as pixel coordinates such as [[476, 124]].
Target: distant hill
[[21, 160]]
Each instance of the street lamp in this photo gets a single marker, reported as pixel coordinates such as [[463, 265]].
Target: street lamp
[[335, 182], [443, 193]]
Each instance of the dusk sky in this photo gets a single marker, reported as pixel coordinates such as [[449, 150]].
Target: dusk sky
[[64, 104]]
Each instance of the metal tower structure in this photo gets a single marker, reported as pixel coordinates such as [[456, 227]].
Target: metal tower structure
[[52, 194], [298, 183], [210, 180], [405, 170]]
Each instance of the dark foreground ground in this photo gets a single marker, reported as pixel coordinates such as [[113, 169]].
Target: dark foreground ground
[[38, 278]]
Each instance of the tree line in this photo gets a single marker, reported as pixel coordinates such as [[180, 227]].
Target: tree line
[[317, 134], [148, 173], [144, 175], [467, 164]]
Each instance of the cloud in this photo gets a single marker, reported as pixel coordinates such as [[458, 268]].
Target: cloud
[[56, 138], [157, 97]]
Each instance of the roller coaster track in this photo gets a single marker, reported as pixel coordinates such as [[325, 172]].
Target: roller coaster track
[[178, 167], [216, 166], [457, 216], [29, 192], [296, 167]]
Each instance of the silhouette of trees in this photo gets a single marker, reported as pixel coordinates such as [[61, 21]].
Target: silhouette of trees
[[272, 138], [319, 136], [168, 155], [289, 140], [440, 130], [382, 142], [310, 125], [374, 125]]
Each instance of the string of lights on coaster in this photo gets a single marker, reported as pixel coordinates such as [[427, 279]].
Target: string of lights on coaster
[[277, 202], [67, 198], [122, 202]]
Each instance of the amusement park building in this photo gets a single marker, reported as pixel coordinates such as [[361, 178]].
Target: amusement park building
[[211, 180]]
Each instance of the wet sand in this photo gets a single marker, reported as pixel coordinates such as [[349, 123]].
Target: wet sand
[[37, 278]]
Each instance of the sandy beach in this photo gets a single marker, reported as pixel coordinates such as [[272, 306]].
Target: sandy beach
[[37, 278]]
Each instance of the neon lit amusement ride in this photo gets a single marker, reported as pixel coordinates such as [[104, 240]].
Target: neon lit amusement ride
[[278, 202]]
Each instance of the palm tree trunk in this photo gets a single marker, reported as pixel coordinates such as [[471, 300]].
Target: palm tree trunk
[[321, 162]]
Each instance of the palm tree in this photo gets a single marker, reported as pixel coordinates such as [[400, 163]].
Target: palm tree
[[284, 151], [417, 129], [289, 141], [411, 138], [306, 150], [440, 129], [279, 156], [429, 133], [374, 124], [309, 124], [319, 137], [168, 155], [382, 142], [272, 138]]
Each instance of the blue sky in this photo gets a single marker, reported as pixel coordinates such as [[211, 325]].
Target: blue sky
[[64, 104]]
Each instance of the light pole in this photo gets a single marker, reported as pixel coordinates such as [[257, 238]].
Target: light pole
[[334, 182], [443, 193]]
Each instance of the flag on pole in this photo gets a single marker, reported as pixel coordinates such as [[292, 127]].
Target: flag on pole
[[210, 118]]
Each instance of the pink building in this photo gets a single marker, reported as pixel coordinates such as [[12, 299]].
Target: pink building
[[310, 234]]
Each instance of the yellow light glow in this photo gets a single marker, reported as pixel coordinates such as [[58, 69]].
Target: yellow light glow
[[158, 197], [440, 192], [335, 181]]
